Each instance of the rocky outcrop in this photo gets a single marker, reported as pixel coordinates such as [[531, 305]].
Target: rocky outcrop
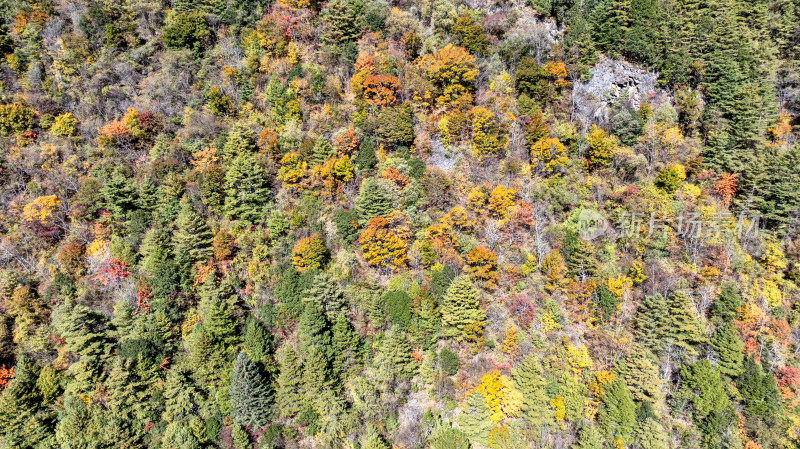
[[614, 83]]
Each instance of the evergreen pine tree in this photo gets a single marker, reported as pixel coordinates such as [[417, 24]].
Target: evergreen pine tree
[[651, 322], [251, 394], [289, 398], [375, 198], [759, 392], [702, 385], [84, 333], [589, 437], [394, 355], [346, 346], [211, 343], [314, 343], [119, 196], [192, 237], [529, 381], [651, 435], [446, 437], [460, 307], [326, 292], [374, 440], [338, 26], [729, 349], [246, 190], [727, 302], [640, 373], [239, 142], [683, 329], [474, 419], [617, 414]]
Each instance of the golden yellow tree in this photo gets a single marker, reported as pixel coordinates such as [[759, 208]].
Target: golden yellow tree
[[40, 209]]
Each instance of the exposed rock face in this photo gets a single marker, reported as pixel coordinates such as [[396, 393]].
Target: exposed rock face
[[614, 82]]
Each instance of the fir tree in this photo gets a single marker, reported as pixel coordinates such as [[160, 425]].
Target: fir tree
[[651, 435], [119, 196], [617, 414], [212, 342], [394, 355], [759, 392], [251, 395], [375, 198], [729, 349], [703, 386], [246, 190], [461, 307], [338, 26], [474, 419], [374, 440], [192, 237], [346, 346], [289, 397], [640, 373], [327, 293], [589, 437], [84, 333], [529, 381], [727, 303], [446, 437], [314, 343]]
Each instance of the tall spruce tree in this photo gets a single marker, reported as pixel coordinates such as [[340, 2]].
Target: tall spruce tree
[[461, 307], [251, 393], [246, 190], [617, 414], [289, 395], [529, 381], [192, 237], [729, 349]]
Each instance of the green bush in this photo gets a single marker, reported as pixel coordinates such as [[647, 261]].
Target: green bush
[[449, 361], [187, 30]]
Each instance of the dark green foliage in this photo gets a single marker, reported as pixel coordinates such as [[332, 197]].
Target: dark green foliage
[[251, 395], [289, 393], [192, 238], [346, 224], [246, 190], [398, 308], [617, 413], [449, 361], [727, 302], [338, 28], [703, 386], [291, 291], [661, 323], [729, 349], [759, 392], [396, 125], [314, 344], [375, 198], [606, 303], [187, 30]]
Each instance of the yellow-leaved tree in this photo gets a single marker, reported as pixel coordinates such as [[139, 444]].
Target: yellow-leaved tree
[[40, 209]]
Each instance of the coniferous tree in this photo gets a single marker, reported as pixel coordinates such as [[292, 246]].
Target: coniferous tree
[[446, 437], [289, 396], [474, 419], [650, 434], [529, 381], [251, 394], [651, 322], [729, 349], [192, 238], [339, 29], [246, 190], [326, 292], [375, 198], [374, 440], [394, 355], [727, 302], [83, 331], [617, 414], [211, 343], [119, 196], [641, 375], [759, 392], [461, 307], [314, 343], [346, 346], [589, 437]]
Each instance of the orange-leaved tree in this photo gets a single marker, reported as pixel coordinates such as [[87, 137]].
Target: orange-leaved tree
[[385, 240]]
